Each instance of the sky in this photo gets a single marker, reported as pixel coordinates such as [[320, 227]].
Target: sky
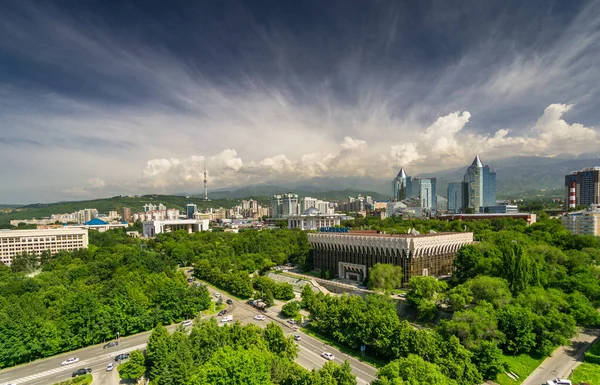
[[101, 98]]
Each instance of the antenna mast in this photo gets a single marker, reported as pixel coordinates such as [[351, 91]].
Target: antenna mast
[[205, 184]]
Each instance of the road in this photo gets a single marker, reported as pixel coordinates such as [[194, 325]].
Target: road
[[565, 358], [49, 370]]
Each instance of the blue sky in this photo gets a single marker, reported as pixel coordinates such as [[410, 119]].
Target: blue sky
[[102, 98]]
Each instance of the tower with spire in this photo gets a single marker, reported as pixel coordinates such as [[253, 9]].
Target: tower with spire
[[401, 186], [480, 186], [205, 184]]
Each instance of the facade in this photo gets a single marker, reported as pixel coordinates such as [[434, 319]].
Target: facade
[[585, 222], [101, 226], [501, 209], [86, 215], [152, 228], [350, 255], [190, 210], [14, 242], [528, 217], [284, 205], [323, 207], [401, 186], [424, 189], [126, 214], [582, 188], [456, 194], [312, 219]]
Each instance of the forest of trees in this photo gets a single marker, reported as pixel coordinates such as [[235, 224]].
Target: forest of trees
[[232, 354], [517, 290], [87, 296]]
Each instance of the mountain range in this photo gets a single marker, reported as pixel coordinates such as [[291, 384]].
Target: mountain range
[[516, 177]]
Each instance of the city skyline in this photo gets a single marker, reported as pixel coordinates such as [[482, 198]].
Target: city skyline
[[105, 99]]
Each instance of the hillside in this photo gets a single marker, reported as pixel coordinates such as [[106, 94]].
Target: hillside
[[303, 189]]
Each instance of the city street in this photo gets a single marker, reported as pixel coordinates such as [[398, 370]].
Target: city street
[[49, 370], [565, 358]]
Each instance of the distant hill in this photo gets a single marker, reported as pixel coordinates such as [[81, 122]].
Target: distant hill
[[303, 189]]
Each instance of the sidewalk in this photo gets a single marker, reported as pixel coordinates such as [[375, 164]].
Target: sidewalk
[[565, 358]]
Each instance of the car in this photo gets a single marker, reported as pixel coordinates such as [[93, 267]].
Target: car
[[190, 279], [292, 321], [297, 337], [69, 361], [110, 366], [327, 356], [217, 295], [111, 344], [187, 323], [81, 372], [122, 356], [227, 318], [222, 312], [229, 302], [362, 287], [259, 317], [559, 381]]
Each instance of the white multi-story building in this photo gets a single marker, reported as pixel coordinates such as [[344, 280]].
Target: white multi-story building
[[14, 242], [586, 222], [312, 219], [151, 228]]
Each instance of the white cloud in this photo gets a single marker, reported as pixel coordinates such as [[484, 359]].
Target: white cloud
[[96, 182], [352, 144]]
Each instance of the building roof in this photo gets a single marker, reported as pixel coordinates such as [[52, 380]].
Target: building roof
[[401, 173], [312, 211], [95, 222], [392, 235], [477, 162]]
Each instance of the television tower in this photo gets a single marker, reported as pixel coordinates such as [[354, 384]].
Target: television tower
[[205, 184]]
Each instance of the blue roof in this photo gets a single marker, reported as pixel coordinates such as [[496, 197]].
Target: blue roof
[[95, 222]]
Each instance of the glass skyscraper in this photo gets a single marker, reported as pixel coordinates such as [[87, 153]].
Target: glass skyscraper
[[424, 188], [401, 186], [476, 191], [456, 197]]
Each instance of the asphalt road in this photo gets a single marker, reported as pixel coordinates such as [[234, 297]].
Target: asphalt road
[[49, 370], [565, 358]]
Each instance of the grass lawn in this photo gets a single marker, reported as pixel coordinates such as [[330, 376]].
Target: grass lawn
[[588, 373], [522, 365], [81, 380], [344, 349]]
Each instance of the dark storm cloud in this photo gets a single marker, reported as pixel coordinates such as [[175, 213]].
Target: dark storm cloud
[[300, 88]]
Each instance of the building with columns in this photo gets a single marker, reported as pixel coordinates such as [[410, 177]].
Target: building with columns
[[312, 219], [152, 228], [350, 255]]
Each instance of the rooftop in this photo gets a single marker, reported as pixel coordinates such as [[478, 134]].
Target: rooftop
[[393, 235]]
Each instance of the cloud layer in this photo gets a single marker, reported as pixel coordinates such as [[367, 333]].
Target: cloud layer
[[92, 104]]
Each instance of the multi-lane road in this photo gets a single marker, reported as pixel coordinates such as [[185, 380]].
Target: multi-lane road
[[49, 370]]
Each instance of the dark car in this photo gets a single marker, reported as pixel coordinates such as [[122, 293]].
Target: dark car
[[190, 279], [111, 344], [222, 312], [229, 301], [121, 357], [81, 372]]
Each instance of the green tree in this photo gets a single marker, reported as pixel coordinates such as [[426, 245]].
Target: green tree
[[423, 295], [412, 370], [134, 368], [517, 325], [458, 297], [290, 309], [278, 343], [385, 277], [269, 299], [488, 359], [158, 351], [308, 297]]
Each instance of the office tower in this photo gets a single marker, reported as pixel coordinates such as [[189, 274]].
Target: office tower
[[424, 189], [190, 210], [480, 187], [401, 186], [587, 187], [456, 195], [126, 214], [290, 204]]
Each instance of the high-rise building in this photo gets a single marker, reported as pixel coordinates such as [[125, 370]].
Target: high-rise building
[[456, 195], [190, 210], [401, 186], [284, 205], [480, 190], [126, 214], [586, 184], [424, 189]]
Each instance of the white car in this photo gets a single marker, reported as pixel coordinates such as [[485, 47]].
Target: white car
[[228, 318], [110, 366], [187, 323], [259, 317], [327, 356], [70, 361], [559, 381]]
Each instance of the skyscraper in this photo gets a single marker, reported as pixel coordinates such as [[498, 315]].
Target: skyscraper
[[424, 189], [476, 191], [587, 186], [456, 197], [190, 210], [126, 214], [401, 186]]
